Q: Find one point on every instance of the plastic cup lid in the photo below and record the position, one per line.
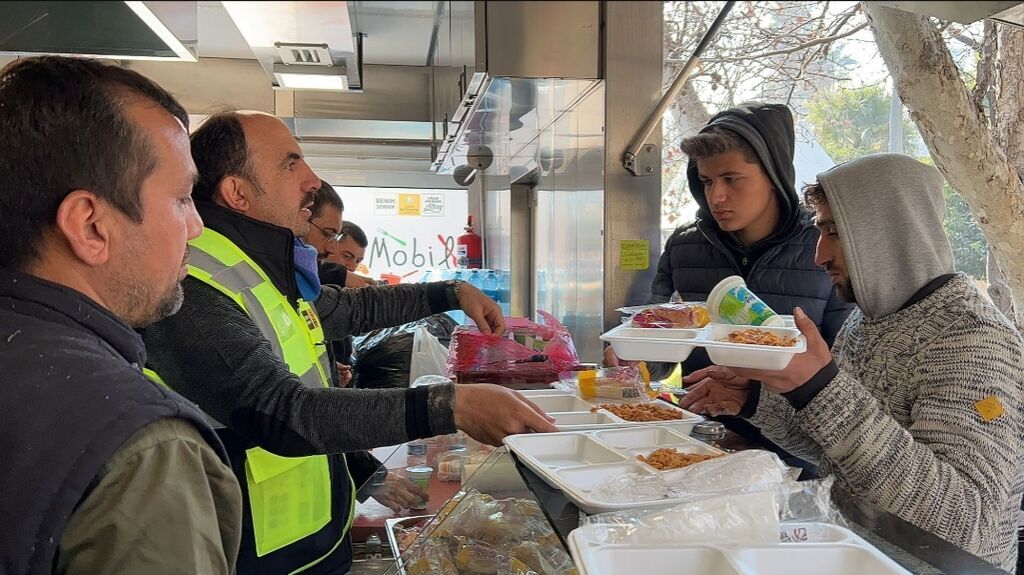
(420, 470)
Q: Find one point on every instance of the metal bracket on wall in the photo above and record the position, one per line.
(634, 158)
(644, 162)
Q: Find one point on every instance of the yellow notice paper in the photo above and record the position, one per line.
(989, 408)
(409, 205)
(633, 254)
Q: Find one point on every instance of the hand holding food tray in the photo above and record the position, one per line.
(728, 345)
(572, 413)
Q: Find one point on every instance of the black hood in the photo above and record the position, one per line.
(768, 128)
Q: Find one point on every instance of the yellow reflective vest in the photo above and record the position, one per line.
(289, 497)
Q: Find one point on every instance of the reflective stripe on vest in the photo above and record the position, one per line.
(290, 497)
(152, 375)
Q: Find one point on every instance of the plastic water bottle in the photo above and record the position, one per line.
(476, 279)
(459, 316)
(425, 278)
(416, 453)
(505, 289)
(492, 287)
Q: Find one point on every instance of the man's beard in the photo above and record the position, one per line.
(845, 291)
(138, 310)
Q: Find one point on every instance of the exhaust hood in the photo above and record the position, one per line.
(302, 45)
(166, 31)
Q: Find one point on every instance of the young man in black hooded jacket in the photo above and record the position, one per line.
(749, 223)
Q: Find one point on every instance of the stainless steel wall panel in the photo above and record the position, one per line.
(543, 39)
(632, 205)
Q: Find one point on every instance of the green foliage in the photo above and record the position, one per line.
(850, 123)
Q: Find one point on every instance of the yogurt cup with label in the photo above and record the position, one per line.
(731, 301)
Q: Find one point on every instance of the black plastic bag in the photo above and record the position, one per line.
(381, 358)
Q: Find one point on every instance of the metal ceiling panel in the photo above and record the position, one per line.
(266, 24)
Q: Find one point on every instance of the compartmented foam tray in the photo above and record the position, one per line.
(654, 344)
(826, 549)
(573, 414)
(579, 462)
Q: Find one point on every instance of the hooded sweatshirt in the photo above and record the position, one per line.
(886, 269)
(922, 410)
(768, 128)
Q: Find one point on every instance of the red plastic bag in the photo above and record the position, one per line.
(527, 354)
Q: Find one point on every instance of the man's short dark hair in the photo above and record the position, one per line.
(350, 230)
(717, 141)
(326, 195)
(63, 127)
(219, 150)
(814, 195)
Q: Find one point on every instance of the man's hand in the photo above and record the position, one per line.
(397, 492)
(354, 280)
(803, 366)
(612, 360)
(719, 391)
(489, 413)
(481, 309)
(344, 374)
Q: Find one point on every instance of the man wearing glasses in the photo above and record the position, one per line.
(325, 235)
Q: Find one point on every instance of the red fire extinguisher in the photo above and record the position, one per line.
(469, 248)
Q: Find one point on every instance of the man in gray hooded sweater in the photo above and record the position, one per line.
(918, 407)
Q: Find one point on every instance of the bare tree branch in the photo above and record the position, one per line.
(793, 49)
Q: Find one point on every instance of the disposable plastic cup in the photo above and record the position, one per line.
(732, 302)
(420, 476)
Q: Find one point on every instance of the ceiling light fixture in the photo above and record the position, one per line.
(150, 19)
(298, 77)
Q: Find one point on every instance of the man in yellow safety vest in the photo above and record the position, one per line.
(249, 346)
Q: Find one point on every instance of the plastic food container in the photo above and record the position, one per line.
(652, 344)
(574, 414)
(675, 345)
(732, 302)
(748, 355)
(838, 552)
(579, 462)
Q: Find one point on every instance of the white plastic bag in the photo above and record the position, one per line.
(428, 355)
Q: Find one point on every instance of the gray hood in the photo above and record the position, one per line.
(889, 209)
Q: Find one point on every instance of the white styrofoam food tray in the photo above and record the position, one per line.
(655, 344)
(572, 413)
(828, 549)
(578, 462)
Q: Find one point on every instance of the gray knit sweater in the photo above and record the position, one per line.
(900, 425)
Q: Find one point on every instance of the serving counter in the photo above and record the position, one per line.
(502, 477)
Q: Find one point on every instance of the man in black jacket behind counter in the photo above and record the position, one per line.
(250, 351)
(749, 223)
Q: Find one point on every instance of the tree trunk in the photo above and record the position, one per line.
(961, 144)
(1003, 49)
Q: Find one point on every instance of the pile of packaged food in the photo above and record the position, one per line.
(477, 534)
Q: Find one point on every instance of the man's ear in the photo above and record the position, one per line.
(86, 223)
(235, 193)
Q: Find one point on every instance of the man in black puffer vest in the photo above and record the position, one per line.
(104, 471)
(749, 223)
